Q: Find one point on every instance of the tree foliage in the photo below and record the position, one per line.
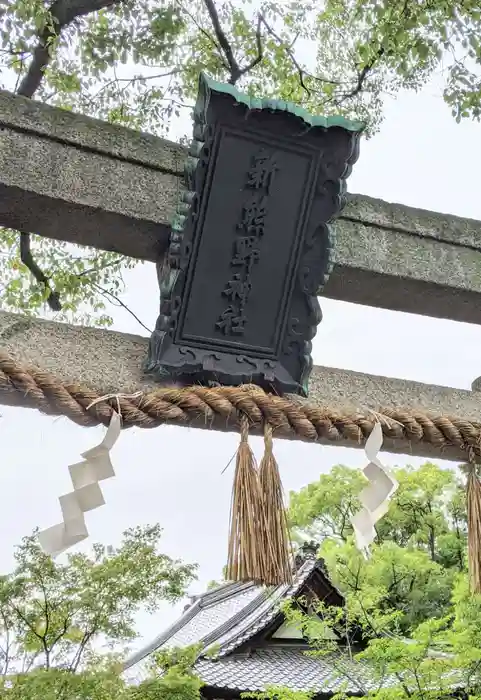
(59, 616)
(440, 658)
(172, 679)
(409, 615)
(136, 63)
(419, 549)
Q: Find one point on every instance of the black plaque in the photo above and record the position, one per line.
(250, 246)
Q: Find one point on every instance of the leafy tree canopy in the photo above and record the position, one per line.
(65, 627)
(409, 614)
(172, 679)
(136, 62)
(61, 615)
(419, 549)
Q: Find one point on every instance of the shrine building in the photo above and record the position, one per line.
(246, 644)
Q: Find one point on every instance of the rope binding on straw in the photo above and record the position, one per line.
(223, 406)
(473, 506)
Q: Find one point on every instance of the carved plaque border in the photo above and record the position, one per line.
(187, 359)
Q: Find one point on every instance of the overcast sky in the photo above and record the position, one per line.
(173, 475)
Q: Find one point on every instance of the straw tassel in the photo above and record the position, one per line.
(473, 502)
(246, 556)
(278, 569)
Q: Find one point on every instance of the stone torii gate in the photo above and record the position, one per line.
(69, 177)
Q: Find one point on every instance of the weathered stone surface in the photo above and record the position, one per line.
(21, 114)
(74, 194)
(426, 224)
(403, 271)
(73, 178)
(113, 363)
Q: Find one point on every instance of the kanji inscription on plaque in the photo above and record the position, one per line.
(250, 246)
(246, 249)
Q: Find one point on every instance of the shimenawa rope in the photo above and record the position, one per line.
(34, 388)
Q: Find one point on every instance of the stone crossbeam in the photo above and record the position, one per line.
(113, 361)
(70, 177)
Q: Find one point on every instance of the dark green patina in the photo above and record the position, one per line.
(208, 85)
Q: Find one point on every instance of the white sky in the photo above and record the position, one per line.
(173, 475)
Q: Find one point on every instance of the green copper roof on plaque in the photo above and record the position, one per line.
(208, 85)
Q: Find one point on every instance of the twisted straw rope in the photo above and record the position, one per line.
(225, 405)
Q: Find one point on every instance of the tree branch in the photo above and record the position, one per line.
(235, 71)
(63, 631)
(45, 611)
(62, 13)
(113, 298)
(98, 269)
(366, 70)
(205, 33)
(362, 76)
(302, 73)
(131, 81)
(260, 53)
(78, 654)
(60, 635)
(224, 47)
(32, 629)
(53, 299)
(6, 651)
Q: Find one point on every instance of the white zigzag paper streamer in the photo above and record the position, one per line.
(376, 496)
(86, 495)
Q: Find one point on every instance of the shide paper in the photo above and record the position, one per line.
(86, 495)
(376, 496)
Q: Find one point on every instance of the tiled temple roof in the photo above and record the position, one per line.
(284, 667)
(226, 616)
(222, 622)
